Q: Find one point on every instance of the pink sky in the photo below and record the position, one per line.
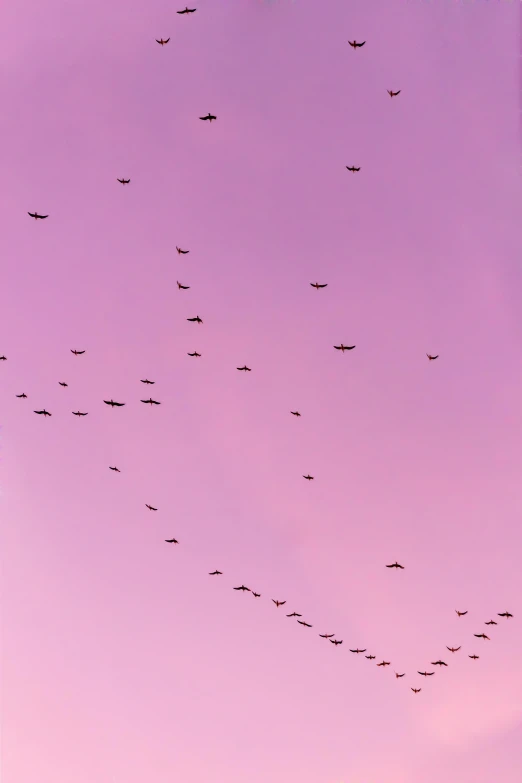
(123, 661)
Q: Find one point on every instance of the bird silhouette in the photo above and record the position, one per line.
(115, 469)
(491, 622)
(182, 252)
(308, 478)
(243, 588)
(353, 168)
(77, 353)
(114, 404)
(162, 42)
(453, 649)
(151, 508)
(124, 181)
(295, 413)
(3, 358)
(215, 573)
(384, 663)
(278, 603)
(399, 675)
(416, 690)
(317, 286)
(78, 413)
(474, 657)
(23, 395)
(336, 641)
(36, 216)
(344, 348)
(244, 368)
(294, 614)
(194, 354)
(151, 402)
(438, 663)
(186, 11)
(356, 45)
(370, 657)
(171, 541)
(326, 635)
(147, 381)
(426, 674)
(358, 651)
(182, 287)
(256, 595)
(481, 636)
(392, 94)
(43, 413)
(302, 622)
(432, 358)
(62, 383)
(197, 319)
(395, 565)
(461, 614)
(209, 117)
(505, 614)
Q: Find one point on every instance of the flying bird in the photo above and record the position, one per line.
(209, 117)
(36, 216)
(278, 603)
(481, 636)
(370, 657)
(505, 614)
(171, 541)
(336, 641)
(62, 383)
(426, 674)
(302, 622)
(474, 657)
(3, 358)
(416, 690)
(491, 622)
(182, 287)
(77, 353)
(395, 565)
(151, 508)
(384, 663)
(353, 168)
(308, 478)
(215, 573)
(294, 614)
(182, 252)
(453, 649)
(116, 469)
(432, 358)
(162, 42)
(392, 94)
(197, 319)
(356, 45)
(147, 381)
(194, 354)
(295, 413)
(78, 413)
(242, 587)
(438, 663)
(317, 286)
(124, 181)
(461, 614)
(43, 413)
(186, 11)
(244, 368)
(344, 348)
(22, 395)
(399, 675)
(113, 404)
(326, 635)
(358, 651)
(151, 402)
(256, 595)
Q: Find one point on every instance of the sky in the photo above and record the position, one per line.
(122, 659)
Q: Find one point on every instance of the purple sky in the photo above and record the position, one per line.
(123, 661)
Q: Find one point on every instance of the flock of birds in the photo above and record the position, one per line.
(341, 347)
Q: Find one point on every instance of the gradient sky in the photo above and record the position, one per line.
(123, 661)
